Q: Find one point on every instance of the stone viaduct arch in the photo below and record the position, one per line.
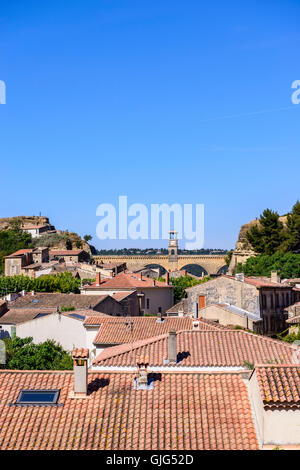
(211, 263)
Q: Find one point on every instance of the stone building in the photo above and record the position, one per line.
(265, 299)
(73, 256)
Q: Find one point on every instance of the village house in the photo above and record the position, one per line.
(74, 256)
(37, 231)
(154, 296)
(264, 300)
(100, 303)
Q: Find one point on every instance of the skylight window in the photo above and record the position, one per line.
(38, 397)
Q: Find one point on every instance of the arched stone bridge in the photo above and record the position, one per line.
(212, 264)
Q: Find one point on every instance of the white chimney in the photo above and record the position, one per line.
(240, 277)
(172, 346)
(80, 357)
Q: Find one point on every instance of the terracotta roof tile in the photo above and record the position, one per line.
(125, 330)
(279, 384)
(181, 412)
(65, 252)
(80, 353)
(222, 348)
(40, 300)
(127, 280)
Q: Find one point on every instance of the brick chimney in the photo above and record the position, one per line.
(172, 346)
(141, 276)
(167, 278)
(80, 357)
(98, 279)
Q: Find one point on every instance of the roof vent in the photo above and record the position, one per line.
(196, 325)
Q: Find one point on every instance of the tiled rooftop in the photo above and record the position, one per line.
(80, 353)
(223, 348)
(183, 411)
(127, 280)
(15, 316)
(279, 385)
(125, 330)
(65, 252)
(54, 299)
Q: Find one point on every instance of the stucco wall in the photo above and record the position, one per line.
(66, 331)
(227, 290)
(212, 312)
(276, 426)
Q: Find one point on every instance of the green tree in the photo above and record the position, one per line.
(183, 282)
(87, 238)
(292, 235)
(268, 236)
(228, 257)
(23, 354)
(61, 282)
(287, 265)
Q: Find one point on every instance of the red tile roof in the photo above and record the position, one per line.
(80, 353)
(183, 411)
(279, 385)
(20, 252)
(65, 252)
(53, 299)
(223, 348)
(127, 280)
(259, 282)
(118, 330)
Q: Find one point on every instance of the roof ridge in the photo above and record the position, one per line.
(126, 347)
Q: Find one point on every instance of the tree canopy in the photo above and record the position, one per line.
(270, 235)
(181, 283)
(23, 354)
(286, 264)
(61, 282)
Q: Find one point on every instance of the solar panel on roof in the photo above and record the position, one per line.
(76, 315)
(35, 301)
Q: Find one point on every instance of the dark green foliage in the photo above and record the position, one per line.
(61, 282)
(181, 283)
(287, 265)
(268, 238)
(292, 236)
(228, 257)
(23, 354)
(87, 238)
(67, 308)
(271, 236)
(13, 240)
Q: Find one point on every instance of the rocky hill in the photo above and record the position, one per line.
(57, 240)
(6, 222)
(243, 249)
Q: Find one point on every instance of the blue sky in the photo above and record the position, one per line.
(162, 101)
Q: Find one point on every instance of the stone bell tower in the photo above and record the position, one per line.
(173, 251)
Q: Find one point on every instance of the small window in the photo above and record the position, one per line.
(148, 304)
(38, 397)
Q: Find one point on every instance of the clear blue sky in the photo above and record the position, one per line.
(153, 100)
